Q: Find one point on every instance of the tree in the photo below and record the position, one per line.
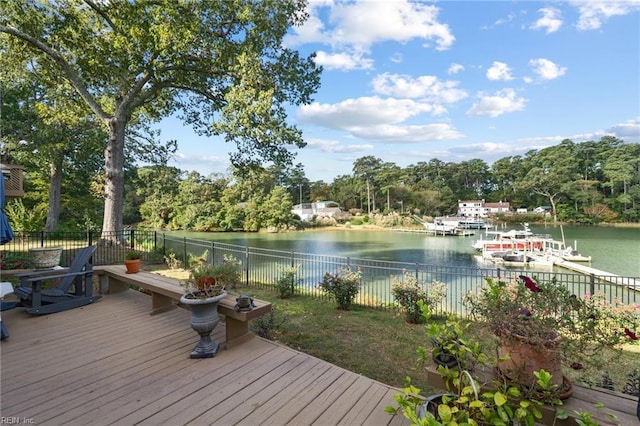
(551, 172)
(365, 169)
(220, 63)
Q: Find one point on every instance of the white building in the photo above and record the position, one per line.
(480, 208)
(307, 211)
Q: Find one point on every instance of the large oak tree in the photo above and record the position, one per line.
(220, 64)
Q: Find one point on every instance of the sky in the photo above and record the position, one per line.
(411, 81)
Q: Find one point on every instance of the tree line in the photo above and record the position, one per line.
(588, 182)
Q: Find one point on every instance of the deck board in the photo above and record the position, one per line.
(111, 363)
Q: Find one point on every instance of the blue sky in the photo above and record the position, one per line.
(410, 81)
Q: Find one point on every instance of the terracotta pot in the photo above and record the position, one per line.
(525, 358)
(133, 266)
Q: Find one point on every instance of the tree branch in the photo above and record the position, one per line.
(64, 65)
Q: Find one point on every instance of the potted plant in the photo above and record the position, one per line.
(543, 326)
(132, 261)
(469, 399)
(205, 288)
(408, 293)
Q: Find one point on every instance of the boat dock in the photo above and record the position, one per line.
(633, 283)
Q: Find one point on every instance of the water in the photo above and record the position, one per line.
(613, 250)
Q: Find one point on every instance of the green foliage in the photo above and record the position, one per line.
(411, 295)
(172, 260)
(132, 255)
(285, 285)
(536, 311)
(223, 275)
(23, 218)
(632, 386)
(15, 260)
(267, 325)
(468, 400)
(356, 221)
(136, 62)
(343, 286)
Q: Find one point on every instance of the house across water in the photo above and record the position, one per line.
(307, 211)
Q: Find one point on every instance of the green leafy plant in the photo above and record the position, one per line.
(537, 311)
(285, 284)
(449, 345)
(266, 325)
(343, 286)
(17, 260)
(632, 386)
(26, 218)
(408, 293)
(208, 280)
(172, 260)
(468, 400)
(132, 255)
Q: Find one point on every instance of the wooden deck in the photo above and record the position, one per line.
(113, 363)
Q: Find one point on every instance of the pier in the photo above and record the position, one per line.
(633, 283)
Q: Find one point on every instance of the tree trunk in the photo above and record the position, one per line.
(114, 184)
(55, 188)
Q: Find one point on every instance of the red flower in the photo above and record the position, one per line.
(530, 284)
(630, 334)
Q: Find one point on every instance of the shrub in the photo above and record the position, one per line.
(172, 260)
(16, 260)
(342, 286)
(286, 283)
(266, 325)
(407, 292)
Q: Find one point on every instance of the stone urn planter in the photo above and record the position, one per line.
(204, 319)
(45, 257)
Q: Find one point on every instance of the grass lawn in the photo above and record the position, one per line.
(380, 344)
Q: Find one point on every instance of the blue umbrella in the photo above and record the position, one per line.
(6, 233)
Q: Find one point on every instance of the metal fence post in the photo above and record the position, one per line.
(246, 259)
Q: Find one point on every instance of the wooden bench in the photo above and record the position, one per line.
(166, 291)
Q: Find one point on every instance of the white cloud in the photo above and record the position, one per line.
(408, 134)
(333, 146)
(501, 102)
(546, 70)
(480, 149)
(455, 68)
(499, 71)
(628, 131)
(594, 13)
(510, 17)
(551, 20)
(427, 87)
(342, 61)
(356, 26)
(365, 111)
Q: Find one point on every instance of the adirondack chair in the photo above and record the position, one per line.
(79, 275)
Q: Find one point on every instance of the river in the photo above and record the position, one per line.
(613, 250)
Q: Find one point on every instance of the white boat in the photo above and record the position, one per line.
(469, 223)
(445, 226)
(441, 227)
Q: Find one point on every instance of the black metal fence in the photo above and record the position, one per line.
(263, 267)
